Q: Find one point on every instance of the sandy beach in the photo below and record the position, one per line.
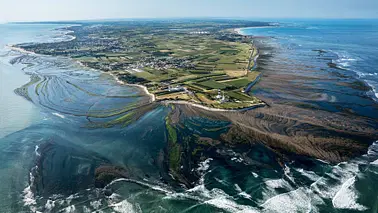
(240, 30)
(19, 49)
(145, 90)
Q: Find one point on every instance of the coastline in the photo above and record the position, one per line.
(308, 159)
(19, 49)
(211, 108)
(144, 88)
(152, 97)
(240, 30)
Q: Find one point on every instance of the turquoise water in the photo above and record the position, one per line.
(49, 148)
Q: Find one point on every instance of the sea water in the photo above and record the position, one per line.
(58, 132)
(352, 45)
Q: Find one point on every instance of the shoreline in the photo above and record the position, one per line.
(240, 30)
(19, 49)
(211, 108)
(145, 89)
(275, 111)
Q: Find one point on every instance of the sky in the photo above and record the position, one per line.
(58, 10)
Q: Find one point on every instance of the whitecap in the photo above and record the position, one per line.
(36, 150)
(287, 173)
(293, 201)
(154, 187)
(255, 175)
(229, 205)
(50, 204)
(242, 193)
(86, 209)
(309, 174)
(346, 197)
(374, 89)
(28, 197)
(59, 115)
(96, 204)
(70, 209)
(219, 199)
(124, 207)
(204, 166)
(277, 183)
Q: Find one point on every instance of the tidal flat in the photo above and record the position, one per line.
(105, 146)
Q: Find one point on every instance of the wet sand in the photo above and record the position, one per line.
(332, 123)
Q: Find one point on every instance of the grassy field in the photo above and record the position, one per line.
(211, 84)
(238, 83)
(195, 65)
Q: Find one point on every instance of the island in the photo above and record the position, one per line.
(207, 64)
(209, 71)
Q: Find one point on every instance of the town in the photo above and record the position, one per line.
(203, 63)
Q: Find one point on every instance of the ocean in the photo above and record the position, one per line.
(49, 152)
(350, 44)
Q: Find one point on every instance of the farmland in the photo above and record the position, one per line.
(203, 63)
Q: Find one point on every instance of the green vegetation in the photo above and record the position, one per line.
(238, 83)
(174, 148)
(211, 84)
(200, 62)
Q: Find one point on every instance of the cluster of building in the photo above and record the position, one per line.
(163, 63)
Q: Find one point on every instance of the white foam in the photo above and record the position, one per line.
(373, 88)
(309, 174)
(123, 207)
(293, 201)
(242, 193)
(96, 204)
(276, 183)
(70, 209)
(255, 175)
(49, 205)
(287, 173)
(36, 150)
(58, 115)
(204, 166)
(236, 159)
(71, 197)
(28, 197)
(229, 205)
(346, 197)
(221, 181)
(154, 187)
(86, 209)
(214, 197)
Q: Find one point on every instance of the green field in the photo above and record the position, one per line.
(163, 59)
(238, 83)
(211, 84)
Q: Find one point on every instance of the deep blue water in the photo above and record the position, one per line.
(352, 45)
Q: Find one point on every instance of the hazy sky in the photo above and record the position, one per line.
(37, 10)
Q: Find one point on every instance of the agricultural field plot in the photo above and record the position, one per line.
(211, 84)
(172, 60)
(238, 83)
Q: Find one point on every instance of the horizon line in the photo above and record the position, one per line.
(194, 17)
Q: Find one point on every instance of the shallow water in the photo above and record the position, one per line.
(311, 44)
(48, 165)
